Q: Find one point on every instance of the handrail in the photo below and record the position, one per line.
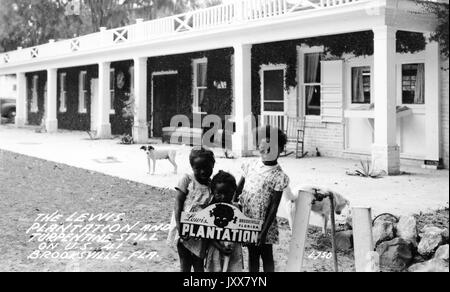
(237, 12)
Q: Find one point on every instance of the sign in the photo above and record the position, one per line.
(222, 222)
(73, 7)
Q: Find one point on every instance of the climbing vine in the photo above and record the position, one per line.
(357, 44)
(440, 35)
(218, 96)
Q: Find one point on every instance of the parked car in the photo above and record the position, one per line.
(8, 109)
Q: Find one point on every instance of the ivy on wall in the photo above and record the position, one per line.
(219, 94)
(72, 119)
(357, 44)
(217, 100)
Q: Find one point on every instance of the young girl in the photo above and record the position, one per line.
(260, 190)
(219, 253)
(194, 194)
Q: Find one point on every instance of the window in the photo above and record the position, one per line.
(112, 89)
(34, 95)
(361, 85)
(82, 92)
(312, 83)
(413, 84)
(273, 91)
(63, 93)
(200, 84)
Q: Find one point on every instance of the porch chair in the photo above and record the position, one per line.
(295, 132)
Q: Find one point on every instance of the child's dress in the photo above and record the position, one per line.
(198, 197)
(214, 261)
(261, 182)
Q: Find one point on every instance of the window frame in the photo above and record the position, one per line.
(401, 83)
(301, 52)
(264, 68)
(195, 88)
(417, 108)
(365, 74)
(112, 90)
(63, 92)
(82, 92)
(34, 105)
(360, 64)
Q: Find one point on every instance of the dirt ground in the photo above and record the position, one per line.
(416, 190)
(30, 186)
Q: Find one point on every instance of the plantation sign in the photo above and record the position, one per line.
(221, 222)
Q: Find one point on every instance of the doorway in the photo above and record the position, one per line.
(273, 96)
(164, 101)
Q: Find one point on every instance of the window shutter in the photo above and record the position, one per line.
(332, 91)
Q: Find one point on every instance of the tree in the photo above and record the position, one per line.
(115, 13)
(25, 23)
(29, 22)
(440, 35)
(106, 13)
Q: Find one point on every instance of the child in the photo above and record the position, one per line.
(220, 253)
(260, 190)
(193, 195)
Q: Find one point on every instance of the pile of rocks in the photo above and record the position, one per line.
(402, 247)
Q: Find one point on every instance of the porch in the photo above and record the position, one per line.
(415, 191)
(240, 26)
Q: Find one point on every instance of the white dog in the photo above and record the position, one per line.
(153, 155)
(320, 207)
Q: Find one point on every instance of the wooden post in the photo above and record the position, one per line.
(21, 100)
(333, 233)
(51, 111)
(300, 231)
(385, 150)
(362, 236)
(140, 126)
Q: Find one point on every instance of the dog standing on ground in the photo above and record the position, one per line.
(322, 207)
(153, 155)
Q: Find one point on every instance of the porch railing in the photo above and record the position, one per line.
(236, 13)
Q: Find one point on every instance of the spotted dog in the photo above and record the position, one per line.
(153, 155)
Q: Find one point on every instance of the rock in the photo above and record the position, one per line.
(442, 253)
(445, 236)
(373, 262)
(433, 265)
(344, 240)
(431, 238)
(383, 230)
(395, 254)
(349, 222)
(407, 229)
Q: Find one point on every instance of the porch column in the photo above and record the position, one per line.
(385, 151)
(21, 100)
(104, 101)
(242, 138)
(140, 128)
(432, 105)
(51, 120)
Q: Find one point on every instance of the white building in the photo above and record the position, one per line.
(389, 105)
(8, 86)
